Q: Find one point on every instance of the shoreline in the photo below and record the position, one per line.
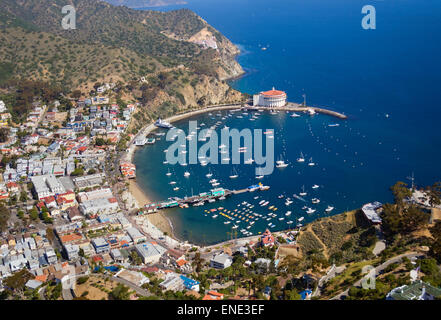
(159, 219)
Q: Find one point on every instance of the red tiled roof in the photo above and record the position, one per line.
(70, 237)
(112, 200)
(11, 184)
(97, 258)
(41, 278)
(215, 293)
(273, 93)
(181, 262)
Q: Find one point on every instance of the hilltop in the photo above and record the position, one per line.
(109, 41)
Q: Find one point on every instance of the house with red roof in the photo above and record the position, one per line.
(213, 295)
(267, 239)
(12, 187)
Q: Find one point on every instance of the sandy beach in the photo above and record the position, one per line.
(137, 192)
(158, 218)
(161, 222)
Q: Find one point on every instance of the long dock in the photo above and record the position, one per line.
(291, 106)
(200, 199)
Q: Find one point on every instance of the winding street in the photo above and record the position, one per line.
(378, 270)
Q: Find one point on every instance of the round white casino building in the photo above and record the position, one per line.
(271, 98)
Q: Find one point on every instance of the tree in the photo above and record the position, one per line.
(434, 194)
(4, 217)
(33, 213)
(17, 281)
(413, 219)
(292, 295)
(400, 192)
(435, 248)
(4, 134)
(121, 292)
(23, 196)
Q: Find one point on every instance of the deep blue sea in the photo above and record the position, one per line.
(387, 80)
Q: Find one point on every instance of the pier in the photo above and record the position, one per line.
(200, 199)
(291, 106)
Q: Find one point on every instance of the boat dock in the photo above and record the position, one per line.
(291, 106)
(200, 199)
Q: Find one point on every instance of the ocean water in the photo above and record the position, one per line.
(388, 81)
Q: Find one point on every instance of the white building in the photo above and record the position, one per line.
(99, 206)
(95, 194)
(272, 98)
(2, 106)
(150, 252)
(47, 185)
(372, 212)
(221, 261)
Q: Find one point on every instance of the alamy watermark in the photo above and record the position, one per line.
(69, 21)
(369, 21)
(211, 150)
(368, 281)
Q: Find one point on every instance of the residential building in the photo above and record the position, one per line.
(100, 245)
(418, 290)
(136, 235)
(150, 252)
(221, 261)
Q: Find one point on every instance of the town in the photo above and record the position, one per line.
(71, 230)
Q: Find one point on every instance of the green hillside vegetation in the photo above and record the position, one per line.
(101, 28)
(340, 239)
(43, 56)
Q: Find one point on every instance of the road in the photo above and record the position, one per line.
(329, 275)
(67, 286)
(378, 269)
(140, 291)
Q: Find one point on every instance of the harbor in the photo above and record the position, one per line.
(181, 180)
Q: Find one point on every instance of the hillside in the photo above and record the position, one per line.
(44, 56)
(140, 33)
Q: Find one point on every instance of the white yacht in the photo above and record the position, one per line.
(301, 158)
(281, 164)
(186, 174)
(310, 210)
(311, 163)
(303, 193)
(234, 174)
(329, 209)
(315, 186)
